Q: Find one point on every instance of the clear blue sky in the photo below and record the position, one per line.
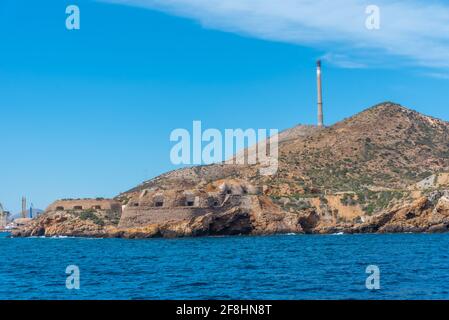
(88, 113)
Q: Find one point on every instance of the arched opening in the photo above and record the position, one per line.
(158, 200)
(159, 204)
(59, 208)
(78, 208)
(189, 200)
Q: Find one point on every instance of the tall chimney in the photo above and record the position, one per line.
(24, 207)
(320, 94)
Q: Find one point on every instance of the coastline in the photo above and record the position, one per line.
(429, 214)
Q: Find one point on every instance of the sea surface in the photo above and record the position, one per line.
(411, 266)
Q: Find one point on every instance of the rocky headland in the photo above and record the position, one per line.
(383, 170)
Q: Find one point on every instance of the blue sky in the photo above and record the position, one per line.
(89, 112)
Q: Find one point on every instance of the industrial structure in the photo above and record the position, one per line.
(4, 215)
(24, 207)
(320, 94)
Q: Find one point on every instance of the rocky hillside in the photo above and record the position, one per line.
(385, 169)
(385, 146)
(376, 155)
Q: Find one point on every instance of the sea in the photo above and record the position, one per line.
(372, 266)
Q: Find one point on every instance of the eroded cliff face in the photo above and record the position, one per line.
(60, 224)
(426, 214)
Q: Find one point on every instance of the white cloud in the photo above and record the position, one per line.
(415, 31)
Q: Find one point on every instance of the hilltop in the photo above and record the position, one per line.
(385, 146)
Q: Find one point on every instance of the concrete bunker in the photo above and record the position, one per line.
(99, 204)
(190, 200)
(158, 200)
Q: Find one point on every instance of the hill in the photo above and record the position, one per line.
(385, 146)
(385, 169)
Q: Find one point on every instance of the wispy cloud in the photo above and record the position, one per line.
(417, 32)
(438, 75)
(343, 61)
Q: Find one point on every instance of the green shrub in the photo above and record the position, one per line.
(89, 215)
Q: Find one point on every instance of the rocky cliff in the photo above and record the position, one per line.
(382, 170)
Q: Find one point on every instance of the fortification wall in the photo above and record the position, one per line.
(137, 217)
(85, 204)
(144, 215)
(158, 206)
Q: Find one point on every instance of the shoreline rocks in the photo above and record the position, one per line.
(428, 214)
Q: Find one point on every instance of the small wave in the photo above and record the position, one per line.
(338, 234)
(52, 237)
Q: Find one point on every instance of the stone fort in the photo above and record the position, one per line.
(159, 206)
(99, 204)
(156, 205)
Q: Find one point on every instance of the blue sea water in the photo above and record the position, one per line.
(412, 266)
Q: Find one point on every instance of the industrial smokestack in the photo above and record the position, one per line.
(24, 207)
(320, 95)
